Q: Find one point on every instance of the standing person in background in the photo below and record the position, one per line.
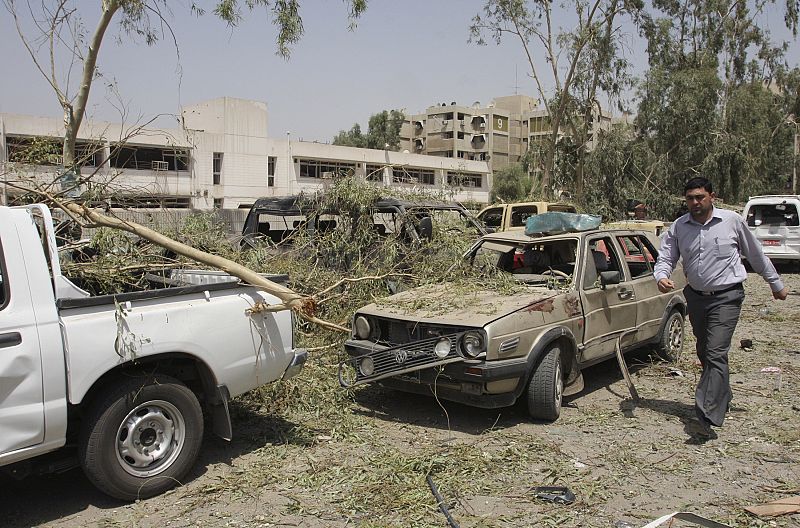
(711, 242)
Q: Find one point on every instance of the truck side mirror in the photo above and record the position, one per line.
(609, 277)
(426, 228)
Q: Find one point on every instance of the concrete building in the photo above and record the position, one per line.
(500, 132)
(222, 157)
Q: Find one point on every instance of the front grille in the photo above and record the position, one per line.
(399, 359)
(392, 332)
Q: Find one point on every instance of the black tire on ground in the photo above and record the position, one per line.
(670, 343)
(546, 388)
(141, 436)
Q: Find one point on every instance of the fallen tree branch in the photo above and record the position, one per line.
(303, 306)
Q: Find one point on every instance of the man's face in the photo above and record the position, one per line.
(700, 202)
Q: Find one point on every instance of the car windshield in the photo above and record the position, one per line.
(530, 262)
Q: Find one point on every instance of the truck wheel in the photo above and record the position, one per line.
(670, 342)
(546, 388)
(140, 437)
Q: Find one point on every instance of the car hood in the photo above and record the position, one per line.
(440, 304)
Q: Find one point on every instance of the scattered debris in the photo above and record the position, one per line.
(556, 494)
(675, 373)
(775, 373)
(623, 524)
(624, 368)
(777, 507)
(579, 464)
(746, 344)
(440, 503)
(686, 516)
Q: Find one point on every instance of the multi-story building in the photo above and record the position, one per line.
(492, 133)
(221, 157)
(500, 132)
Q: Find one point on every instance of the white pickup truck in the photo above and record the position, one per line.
(122, 379)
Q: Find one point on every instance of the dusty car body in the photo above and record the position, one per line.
(580, 295)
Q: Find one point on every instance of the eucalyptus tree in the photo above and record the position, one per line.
(713, 100)
(580, 62)
(58, 32)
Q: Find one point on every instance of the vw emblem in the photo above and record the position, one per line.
(401, 356)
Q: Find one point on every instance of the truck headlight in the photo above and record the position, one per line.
(472, 344)
(362, 327)
(442, 348)
(366, 366)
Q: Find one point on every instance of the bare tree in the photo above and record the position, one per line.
(588, 53)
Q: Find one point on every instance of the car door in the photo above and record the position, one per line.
(640, 257)
(21, 390)
(609, 311)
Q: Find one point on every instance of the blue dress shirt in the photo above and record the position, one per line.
(712, 252)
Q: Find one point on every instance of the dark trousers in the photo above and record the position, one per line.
(714, 319)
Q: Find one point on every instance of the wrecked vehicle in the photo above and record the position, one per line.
(276, 218)
(123, 381)
(512, 216)
(577, 297)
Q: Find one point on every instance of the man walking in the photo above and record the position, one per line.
(711, 240)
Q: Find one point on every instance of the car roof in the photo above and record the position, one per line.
(518, 237)
(293, 205)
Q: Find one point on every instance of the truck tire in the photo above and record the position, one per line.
(546, 387)
(670, 343)
(141, 436)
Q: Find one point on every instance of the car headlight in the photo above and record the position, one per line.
(442, 348)
(472, 344)
(366, 366)
(362, 327)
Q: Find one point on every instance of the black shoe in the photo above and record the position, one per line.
(702, 430)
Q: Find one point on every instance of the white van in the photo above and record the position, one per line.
(774, 220)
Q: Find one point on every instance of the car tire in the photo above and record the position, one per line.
(141, 436)
(546, 387)
(670, 343)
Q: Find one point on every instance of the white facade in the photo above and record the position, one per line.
(222, 157)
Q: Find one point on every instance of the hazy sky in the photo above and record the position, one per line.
(408, 55)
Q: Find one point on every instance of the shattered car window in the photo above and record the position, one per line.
(536, 262)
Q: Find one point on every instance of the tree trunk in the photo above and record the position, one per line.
(303, 306)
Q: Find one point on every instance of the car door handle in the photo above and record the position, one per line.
(10, 339)
(625, 293)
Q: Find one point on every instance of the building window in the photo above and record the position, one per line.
(374, 173)
(217, 168)
(124, 156)
(218, 203)
(310, 168)
(271, 161)
(414, 176)
(459, 179)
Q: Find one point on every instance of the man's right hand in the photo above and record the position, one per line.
(665, 285)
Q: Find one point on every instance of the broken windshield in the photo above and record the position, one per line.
(549, 262)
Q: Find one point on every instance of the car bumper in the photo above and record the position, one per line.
(296, 365)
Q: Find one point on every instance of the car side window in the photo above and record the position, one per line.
(600, 256)
(637, 256)
(492, 217)
(521, 213)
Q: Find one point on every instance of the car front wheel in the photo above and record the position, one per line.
(670, 342)
(546, 388)
(141, 437)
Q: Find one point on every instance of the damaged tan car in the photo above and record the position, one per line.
(577, 296)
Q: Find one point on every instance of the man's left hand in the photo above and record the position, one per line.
(782, 294)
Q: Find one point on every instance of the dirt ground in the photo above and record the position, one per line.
(364, 462)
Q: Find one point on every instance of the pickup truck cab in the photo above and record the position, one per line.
(775, 222)
(512, 217)
(578, 297)
(121, 380)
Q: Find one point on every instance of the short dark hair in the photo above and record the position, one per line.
(696, 183)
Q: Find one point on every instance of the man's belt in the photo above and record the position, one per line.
(715, 292)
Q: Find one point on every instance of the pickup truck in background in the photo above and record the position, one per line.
(512, 217)
(122, 379)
